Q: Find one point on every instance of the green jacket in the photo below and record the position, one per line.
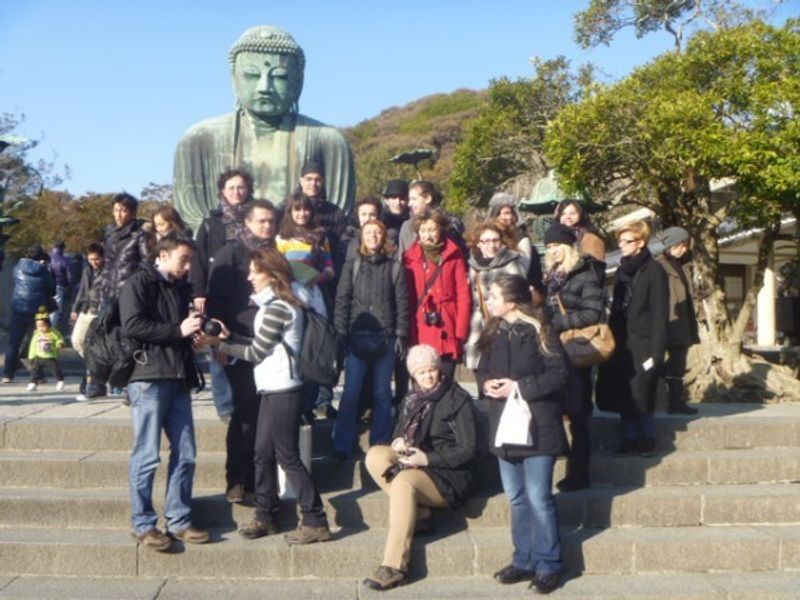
(45, 345)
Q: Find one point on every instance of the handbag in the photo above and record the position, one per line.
(587, 346)
(515, 422)
(369, 344)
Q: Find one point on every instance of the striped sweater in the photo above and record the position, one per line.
(321, 260)
(276, 322)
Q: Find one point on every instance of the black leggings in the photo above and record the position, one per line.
(241, 437)
(277, 443)
(38, 365)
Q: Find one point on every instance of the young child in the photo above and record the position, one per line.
(45, 344)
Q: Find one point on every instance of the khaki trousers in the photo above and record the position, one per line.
(408, 489)
(80, 329)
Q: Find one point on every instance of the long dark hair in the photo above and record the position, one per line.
(515, 288)
(289, 228)
(584, 224)
(274, 264)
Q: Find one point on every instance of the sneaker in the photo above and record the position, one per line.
(385, 578)
(647, 446)
(82, 398)
(8, 379)
(627, 448)
(256, 529)
(31, 387)
(511, 574)
(60, 386)
(545, 584)
(191, 535)
(154, 539)
(306, 534)
(235, 493)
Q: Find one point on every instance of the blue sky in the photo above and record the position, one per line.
(110, 87)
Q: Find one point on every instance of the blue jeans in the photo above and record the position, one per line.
(20, 323)
(534, 519)
(355, 368)
(161, 404)
(221, 391)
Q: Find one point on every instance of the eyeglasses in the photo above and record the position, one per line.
(493, 241)
(626, 242)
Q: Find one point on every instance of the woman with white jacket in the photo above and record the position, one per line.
(278, 326)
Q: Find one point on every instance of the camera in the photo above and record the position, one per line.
(433, 319)
(211, 327)
(391, 472)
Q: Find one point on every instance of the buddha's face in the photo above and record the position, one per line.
(267, 84)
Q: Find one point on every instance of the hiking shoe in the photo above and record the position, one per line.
(59, 386)
(191, 535)
(306, 534)
(235, 493)
(647, 446)
(31, 387)
(256, 529)
(511, 574)
(154, 539)
(385, 578)
(545, 584)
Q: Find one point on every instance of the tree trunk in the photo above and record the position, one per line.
(720, 371)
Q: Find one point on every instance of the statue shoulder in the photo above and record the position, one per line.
(321, 130)
(218, 125)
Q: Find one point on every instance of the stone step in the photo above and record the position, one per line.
(705, 586)
(104, 425)
(352, 554)
(679, 506)
(74, 469)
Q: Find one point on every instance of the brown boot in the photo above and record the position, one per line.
(306, 534)
(154, 539)
(385, 578)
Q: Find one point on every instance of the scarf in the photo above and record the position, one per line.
(433, 253)
(312, 237)
(628, 265)
(233, 219)
(415, 408)
(253, 242)
(554, 280)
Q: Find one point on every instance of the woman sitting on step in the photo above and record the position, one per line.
(428, 463)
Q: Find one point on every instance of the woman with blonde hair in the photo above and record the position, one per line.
(575, 300)
(628, 382)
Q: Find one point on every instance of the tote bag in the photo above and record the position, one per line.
(515, 422)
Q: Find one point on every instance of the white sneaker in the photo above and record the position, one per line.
(7, 380)
(59, 386)
(81, 398)
(32, 387)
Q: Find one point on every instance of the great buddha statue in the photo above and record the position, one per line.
(266, 135)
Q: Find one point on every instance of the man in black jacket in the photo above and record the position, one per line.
(228, 295)
(125, 245)
(154, 312)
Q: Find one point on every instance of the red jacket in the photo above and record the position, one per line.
(449, 296)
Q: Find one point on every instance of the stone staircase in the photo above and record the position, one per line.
(716, 514)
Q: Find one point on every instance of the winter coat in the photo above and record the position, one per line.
(408, 236)
(515, 352)
(682, 326)
(481, 277)
(151, 312)
(449, 441)
(449, 296)
(211, 236)
(34, 286)
(126, 249)
(90, 291)
(376, 301)
(582, 298)
(228, 291)
(59, 265)
(640, 334)
(394, 223)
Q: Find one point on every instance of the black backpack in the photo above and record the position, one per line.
(109, 354)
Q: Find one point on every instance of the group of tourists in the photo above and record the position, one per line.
(410, 295)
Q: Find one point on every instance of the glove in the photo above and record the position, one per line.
(400, 347)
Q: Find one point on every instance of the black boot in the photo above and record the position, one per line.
(677, 405)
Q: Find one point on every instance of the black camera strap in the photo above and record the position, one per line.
(430, 282)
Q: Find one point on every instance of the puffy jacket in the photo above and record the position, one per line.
(34, 286)
(151, 311)
(515, 353)
(90, 291)
(449, 440)
(378, 300)
(126, 249)
(581, 296)
(449, 296)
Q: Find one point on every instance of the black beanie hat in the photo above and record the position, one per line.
(559, 234)
(396, 188)
(312, 166)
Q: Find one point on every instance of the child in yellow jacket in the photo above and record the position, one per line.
(43, 351)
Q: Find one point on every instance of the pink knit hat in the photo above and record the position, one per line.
(421, 357)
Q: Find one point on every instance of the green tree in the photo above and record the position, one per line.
(725, 108)
(506, 138)
(603, 19)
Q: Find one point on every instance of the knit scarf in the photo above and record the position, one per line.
(233, 219)
(415, 408)
(433, 252)
(252, 241)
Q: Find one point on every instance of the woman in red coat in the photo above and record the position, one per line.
(440, 299)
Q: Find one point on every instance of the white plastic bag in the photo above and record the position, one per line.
(515, 422)
(285, 489)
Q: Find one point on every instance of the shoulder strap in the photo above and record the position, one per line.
(356, 267)
(430, 282)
